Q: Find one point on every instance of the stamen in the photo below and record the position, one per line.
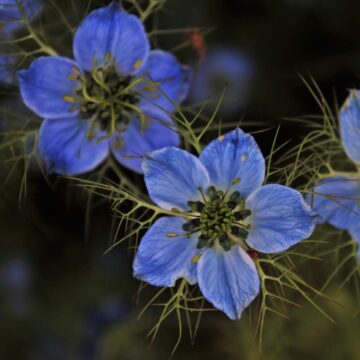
(73, 108)
(137, 64)
(202, 194)
(72, 77)
(196, 206)
(203, 241)
(196, 258)
(69, 99)
(239, 232)
(235, 197)
(191, 225)
(212, 193)
(225, 242)
(242, 214)
(171, 235)
(76, 71)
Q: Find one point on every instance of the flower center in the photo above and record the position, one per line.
(107, 96)
(107, 99)
(219, 218)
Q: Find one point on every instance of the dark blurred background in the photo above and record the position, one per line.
(62, 298)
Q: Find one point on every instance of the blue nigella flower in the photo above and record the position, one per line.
(116, 95)
(11, 14)
(223, 68)
(337, 198)
(223, 211)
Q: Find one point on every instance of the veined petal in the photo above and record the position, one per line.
(130, 147)
(111, 31)
(350, 125)
(163, 258)
(234, 155)
(66, 149)
(166, 81)
(173, 177)
(46, 85)
(336, 201)
(280, 218)
(228, 279)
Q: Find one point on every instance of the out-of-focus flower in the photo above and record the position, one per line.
(112, 98)
(15, 284)
(7, 68)
(109, 313)
(337, 198)
(223, 69)
(224, 213)
(13, 11)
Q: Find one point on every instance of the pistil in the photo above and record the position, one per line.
(219, 218)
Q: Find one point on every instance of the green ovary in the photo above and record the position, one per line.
(219, 219)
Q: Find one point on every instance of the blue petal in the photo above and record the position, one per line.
(231, 156)
(130, 147)
(173, 177)
(66, 149)
(228, 280)
(45, 84)
(161, 259)
(280, 218)
(350, 126)
(172, 81)
(336, 201)
(109, 30)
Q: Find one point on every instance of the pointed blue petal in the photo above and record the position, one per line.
(336, 201)
(130, 147)
(234, 155)
(110, 30)
(228, 279)
(161, 259)
(65, 148)
(280, 218)
(45, 84)
(171, 81)
(350, 125)
(173, 177)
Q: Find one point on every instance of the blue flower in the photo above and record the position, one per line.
(11, 14)
(223, 68)
(337, 198)
(116, 96)
(223, 212)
